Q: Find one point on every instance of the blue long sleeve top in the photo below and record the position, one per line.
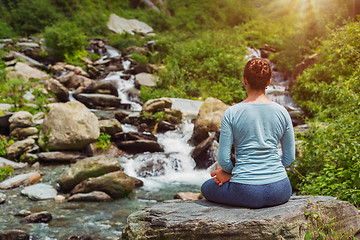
(256, 130)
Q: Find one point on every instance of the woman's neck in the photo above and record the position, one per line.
(256, 96)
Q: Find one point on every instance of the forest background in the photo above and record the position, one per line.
(202, 43)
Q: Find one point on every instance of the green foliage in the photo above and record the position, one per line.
(322, 226)
(32, 16)
(6, 30)
(104, 142)
(5, 171)
(65, 40)
(122, 41)
(140, 59)
(12, 91)
(4, 143)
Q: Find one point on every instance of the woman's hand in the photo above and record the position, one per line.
(221, 177)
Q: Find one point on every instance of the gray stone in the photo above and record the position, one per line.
(21, 133)
(20, 119)
(26, 72)
(201, 154)
(29, 61)
(27, 44)
(116, 184)
(39, 191)
(186, 106)
(145, 79)
(205, 220)
(188, 196)
(16, 149)
(60, 91)
(68, 126)
(110, 126)
(98, 100)
(139, 146)
(95, 196)
(132, 26)
(157, 104)
(14, 165)
(57, 156)
(22, 179)
(86, 168)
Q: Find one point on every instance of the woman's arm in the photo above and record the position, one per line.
(225, 143)
(288, 144)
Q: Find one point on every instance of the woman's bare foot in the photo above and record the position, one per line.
(221, 177)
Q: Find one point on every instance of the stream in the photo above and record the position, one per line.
(107, 219)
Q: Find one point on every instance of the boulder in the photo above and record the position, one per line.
(102, 87)
(116, 184)
(132, 26)
(39, 191)
(39, 217)
(14, 235)
(24, 71)
(205, 220)
(28, 61)
(16, 149)
(60, 91)
(95, 196)
(58, 157)
(188, 196)
(76, 81)
(4, 120)
(139, 146)
(210, 114)
(96, 100)
(110, 126)
(69, 126)
(14, 165)
(87, 168)
(165, 126)
(301, 67)
(157, 104)
(145, 79)
(22, 179)
(133, 136)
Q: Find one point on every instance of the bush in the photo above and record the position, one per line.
(6, 30)
(64, 38)
(32, 16)
(5, 171)
(104, 142)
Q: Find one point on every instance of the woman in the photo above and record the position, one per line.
(255, 126)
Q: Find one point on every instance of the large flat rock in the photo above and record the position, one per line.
(205, 220)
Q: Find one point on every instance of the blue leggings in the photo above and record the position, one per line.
(247, 195)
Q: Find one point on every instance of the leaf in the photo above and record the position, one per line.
(308, 236)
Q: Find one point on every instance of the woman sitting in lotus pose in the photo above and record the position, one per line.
(255, 126)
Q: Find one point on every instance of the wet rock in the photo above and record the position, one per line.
(39, 191)
(39, 217)
(132, 26)
(133, 136)
(20, 180)
(156, 105)
(121, 115)
(28, 61)
(14, 235)
(151, 168)
(86, 168)
(145, 79)
(69, 126)
(14, 165)
(200, 134)
(116, 184)
(139, 146)
(188, 196)
(165, 126)
(111, 126)
(23, 71)
(20, 119)
(2, 198)
(16, 149)
(60, 91)
(113, 150)
(95, 196)
(4, 121)
(102, 87)
(266, 51)
(58, 157)
(98, 100)
(76, 81)
(21, 133)
(202, 155)
(190, 219)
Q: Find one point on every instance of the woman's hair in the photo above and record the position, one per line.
(257, 72)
